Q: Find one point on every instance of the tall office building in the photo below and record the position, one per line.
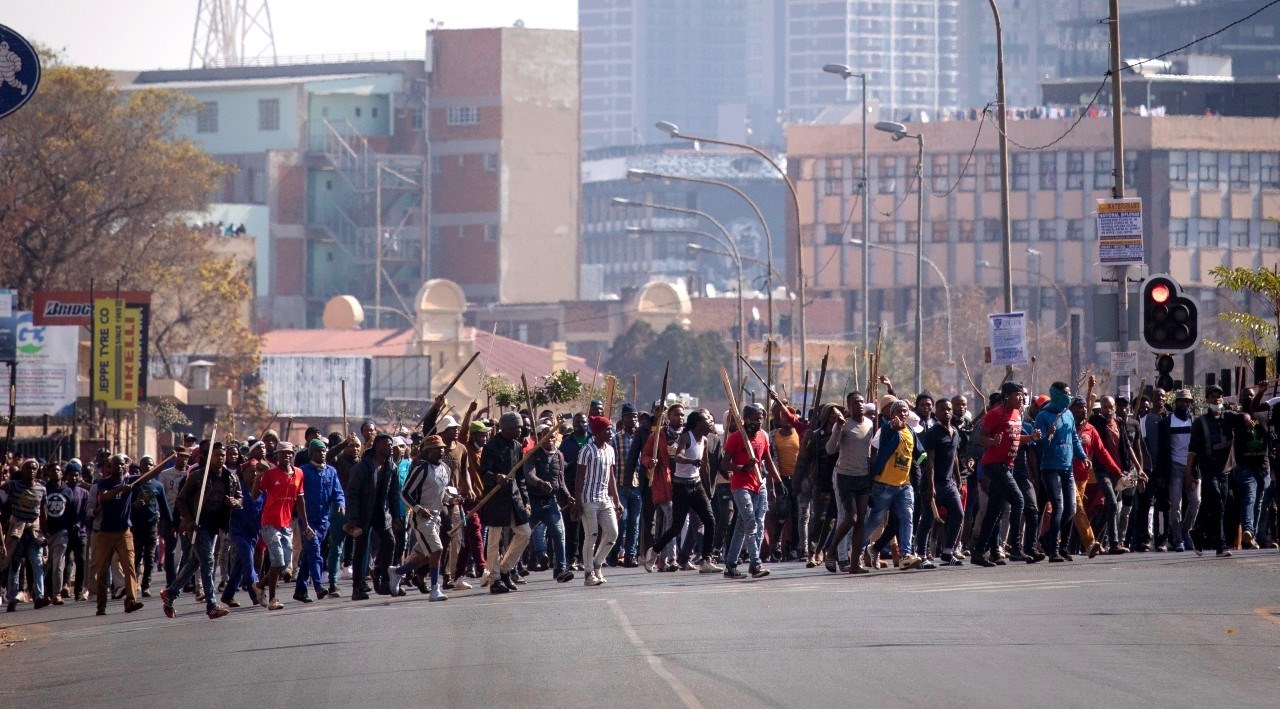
(909, 50)
(709, 67)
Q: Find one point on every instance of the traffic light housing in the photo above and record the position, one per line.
(1169, 318)
(1164, 372)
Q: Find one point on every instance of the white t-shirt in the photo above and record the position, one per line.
(1180, 436)
(687, 471)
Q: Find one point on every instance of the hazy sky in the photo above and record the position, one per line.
(148, 34)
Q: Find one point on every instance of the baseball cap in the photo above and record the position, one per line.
(1078, 400)
(1009, 388)
(479, 427)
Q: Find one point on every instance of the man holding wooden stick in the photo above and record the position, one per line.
(505, 508)
(204, 516)
(746, 459)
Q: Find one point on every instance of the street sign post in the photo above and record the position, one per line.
(1120, 232)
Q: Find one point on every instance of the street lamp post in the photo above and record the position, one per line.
(637, 176)
(673, 131)
(844, 72)
(623, 203)
(899, 131)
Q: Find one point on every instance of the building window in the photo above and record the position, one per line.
(1102, 177)
(269, 114)
(1075, 170)
(1021, 230)
(1270, 172)
(1239, 232)
(1238, 169)
(463, 116)
(1049, 171)
(1208, 168)
(437, 166)
(490, 162)
(888, 176)
(1270, 232)
(491, 233)
(833, 182)
(357, 111)
(965, 231)
(1208, 231)
(834, 232)
(1130, 169)
(1048, 230)
(1177, 232)
(991, 172)
(1021, 169)
(909, 232)
(1178, 168)
(992, 230)
(939, 232)
(207, 118)
(1075, 230)
(969, 176)
(940, 170)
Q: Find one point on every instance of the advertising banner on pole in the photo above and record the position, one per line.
(47, 362)
(1120, 232)
(117, 343)
(1008, 334)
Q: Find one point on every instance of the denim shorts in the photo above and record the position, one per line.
(279, 541)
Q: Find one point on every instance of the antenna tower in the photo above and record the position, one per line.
(229, 33)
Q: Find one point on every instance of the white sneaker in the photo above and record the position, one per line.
(650, 558)
(396, 580)
(909, 561)
(346, 573)
(462, 585)
(487, 580)
(591, 579)
(600, 579)
(437, 594)
(709, 568)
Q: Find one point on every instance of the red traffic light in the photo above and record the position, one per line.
(1160, 293)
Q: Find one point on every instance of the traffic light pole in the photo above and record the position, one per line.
(1117, 162)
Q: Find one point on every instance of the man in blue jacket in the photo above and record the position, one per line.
(321, 491)
(1059, 445)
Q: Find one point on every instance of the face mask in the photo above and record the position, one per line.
(1215, 408)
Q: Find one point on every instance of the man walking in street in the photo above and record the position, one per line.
(112, 538)
(505, 509)
(150, 510)
(851, 440)
(322, 494)
(424, 496)
(1208, 451)
(372, 512)
(544, 475)
(747, 460)
(205, 520)
(1056, 427)
(598, 498)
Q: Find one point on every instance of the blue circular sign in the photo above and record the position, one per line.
(19, 71)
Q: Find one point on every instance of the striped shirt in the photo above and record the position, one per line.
(595, 465)
(426, 484)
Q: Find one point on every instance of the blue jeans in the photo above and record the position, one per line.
(751, 508)
(309, 564)
(546, 511)
(632, 514)
(337, 540)
(1060, 488)
(902, 501)
(34, 554)
(1270, 496)
(1245, 480)
(242, 569)
(199, 558)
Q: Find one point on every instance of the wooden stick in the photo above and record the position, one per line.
(208, 458)
(610, 391)
(854, 386)
(662, 412)
(635, 390)
(822, 379)
(266, 428)
(805, 396)
(346, 426)
(976, 391)
(288, 428)
(768, 389)
(735, 417)
(448, 387)
(528, 399)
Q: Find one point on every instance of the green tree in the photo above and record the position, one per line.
(1250, 335)
(695, 360)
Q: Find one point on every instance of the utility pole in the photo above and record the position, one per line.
(1006, 238)
(1117, 190)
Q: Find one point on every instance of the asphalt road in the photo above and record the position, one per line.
(1168, 630)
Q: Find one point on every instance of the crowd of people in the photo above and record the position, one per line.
(855, 487)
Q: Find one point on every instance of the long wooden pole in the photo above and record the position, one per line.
(346, 426)
(523, 459)
(610, 391)
(822, 379)
(448, 387)
(735, 417)
(208, 458)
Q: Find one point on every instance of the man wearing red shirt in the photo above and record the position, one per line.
(1001, 433)
(283, 488)
(747, 483)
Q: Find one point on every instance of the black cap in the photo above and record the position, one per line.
(1011, 388)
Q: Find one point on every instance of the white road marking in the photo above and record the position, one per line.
(655, 662)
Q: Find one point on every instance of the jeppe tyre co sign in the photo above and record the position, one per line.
(19, 71)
